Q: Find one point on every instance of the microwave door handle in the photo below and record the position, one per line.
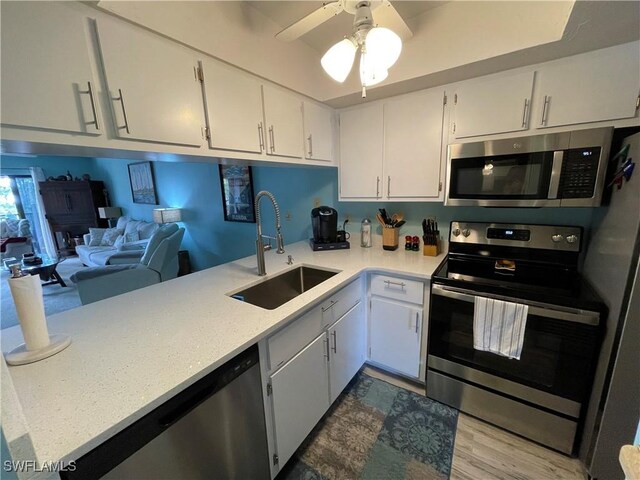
(540, 310)
(556, 171)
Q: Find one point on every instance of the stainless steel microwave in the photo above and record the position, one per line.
(565, 169)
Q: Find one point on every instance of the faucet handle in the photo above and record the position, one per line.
(289, 260)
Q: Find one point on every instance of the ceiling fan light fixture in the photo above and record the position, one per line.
(384, 46)
(338, 60)
(371, 72)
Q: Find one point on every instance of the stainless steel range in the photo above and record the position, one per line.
(543, 394)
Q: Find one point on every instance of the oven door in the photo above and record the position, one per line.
(558, 354)
(514, 179)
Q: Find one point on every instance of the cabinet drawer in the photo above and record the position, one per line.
(397, 288)
(340, 303)
(291, 339)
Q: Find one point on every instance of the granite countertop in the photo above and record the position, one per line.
(133, 352)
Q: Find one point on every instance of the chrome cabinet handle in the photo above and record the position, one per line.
(260, 137)
(120, 99)
(388, 186)
(326, 345)
(271, 136)
(524, 112)
(417, 319)
(399, 284)
(310, 145)
(335, 342)
(333, 302)
(89, 92)
(543, 120)
(377, 187)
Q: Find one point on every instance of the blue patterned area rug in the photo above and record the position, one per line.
(377, 431)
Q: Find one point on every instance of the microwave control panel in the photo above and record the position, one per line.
(579, 173)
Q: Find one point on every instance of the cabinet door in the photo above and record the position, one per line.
(318, 132)
(300, 396)
(361, 150)
(234, 108)
(495, 105)
(596, 86)
(155, 93)
(413, 145)
(283, 117)
(395, 333)
(347, 340)
(45, 83)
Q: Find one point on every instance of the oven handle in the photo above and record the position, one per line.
(540, 309)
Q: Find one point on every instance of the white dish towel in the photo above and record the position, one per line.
(498, 327)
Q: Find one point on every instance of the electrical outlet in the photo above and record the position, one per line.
(288, 217)
(316, 202)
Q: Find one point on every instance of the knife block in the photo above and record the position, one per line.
(390, 238)
(431, 250)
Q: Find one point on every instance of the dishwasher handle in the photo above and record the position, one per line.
(189, 404)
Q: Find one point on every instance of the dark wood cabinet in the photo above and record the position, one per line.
(71, 209)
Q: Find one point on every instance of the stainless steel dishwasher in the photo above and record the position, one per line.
(215, 429)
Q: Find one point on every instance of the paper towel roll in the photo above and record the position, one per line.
(27, 297)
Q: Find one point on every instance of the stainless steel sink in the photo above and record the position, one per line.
(280, 289)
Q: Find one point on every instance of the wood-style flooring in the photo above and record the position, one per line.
(485, 452)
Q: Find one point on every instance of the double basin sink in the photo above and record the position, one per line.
(278, 290)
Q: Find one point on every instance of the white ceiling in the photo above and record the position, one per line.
(452, 41)
(323, 37)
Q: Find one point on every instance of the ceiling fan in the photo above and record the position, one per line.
(379, 47)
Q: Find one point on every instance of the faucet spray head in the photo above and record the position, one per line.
(280, 242)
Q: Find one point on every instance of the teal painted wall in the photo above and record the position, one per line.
(52, 166)
(195, 187)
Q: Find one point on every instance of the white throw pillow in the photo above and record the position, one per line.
(96, 236)
(131, 237)
(109, 237)
(119, 242)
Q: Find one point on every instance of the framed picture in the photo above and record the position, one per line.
(143, 189)
(237, 193)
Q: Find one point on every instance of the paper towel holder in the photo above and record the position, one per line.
(21, 356)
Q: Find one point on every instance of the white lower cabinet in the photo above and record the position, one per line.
(347, 343)
(303, 388)
(300, 396)
(395, 324)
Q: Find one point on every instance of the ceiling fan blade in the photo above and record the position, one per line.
(311, 21)
(385, 15)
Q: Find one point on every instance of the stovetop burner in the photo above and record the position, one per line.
(536, 266)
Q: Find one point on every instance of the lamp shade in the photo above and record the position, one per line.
(109, 212)
(338, 60)
(167, 215)
(383, 46)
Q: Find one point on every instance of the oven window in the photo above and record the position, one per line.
(502, 177)
(557, 356)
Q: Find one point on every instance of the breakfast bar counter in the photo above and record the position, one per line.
(131, 353)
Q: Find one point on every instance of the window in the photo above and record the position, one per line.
(18, 200)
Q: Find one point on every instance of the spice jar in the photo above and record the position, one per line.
(407, 242)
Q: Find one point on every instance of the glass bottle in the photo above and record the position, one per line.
(365, 233)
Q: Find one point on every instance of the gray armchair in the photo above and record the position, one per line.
(158, 264)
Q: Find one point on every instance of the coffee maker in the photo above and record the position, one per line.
(324, 221)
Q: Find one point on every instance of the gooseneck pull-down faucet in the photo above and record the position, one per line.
(260, 246)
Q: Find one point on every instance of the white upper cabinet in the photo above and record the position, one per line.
(495, 105)
(46, 73)
(361, 152)
(283, 122)
(318, 132)
(234, 108)
(154, 89)
(413, 144)
(592, 87)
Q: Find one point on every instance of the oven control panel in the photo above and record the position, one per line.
(546, 237)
